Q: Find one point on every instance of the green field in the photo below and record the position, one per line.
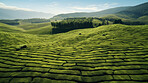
(106, 54)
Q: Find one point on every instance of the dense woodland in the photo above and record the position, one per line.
(76, 23)
(81, 23)
(71, 24)
(10, 22)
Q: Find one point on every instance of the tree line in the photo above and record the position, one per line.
(10, 22)
(81, 23)
(71, 24)
(75, 23)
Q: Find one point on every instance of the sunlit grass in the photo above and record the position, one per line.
(106, 53)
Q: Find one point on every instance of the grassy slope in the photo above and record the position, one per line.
(143, 19)
(33, 26)
(39, 28)
(108, 53)
(105, 35)
(135, 13)
(9, 28)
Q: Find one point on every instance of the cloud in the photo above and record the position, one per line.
(94, 7)
(53, 4)
(57, 8)
(85, 8)
(2, 5)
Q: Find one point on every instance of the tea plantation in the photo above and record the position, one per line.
(106, 54)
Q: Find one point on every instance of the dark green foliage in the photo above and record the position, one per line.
(81, 23)
(21, 47)
(136, 11)
(119, 21)
(78, 23)
(71, 24)
(133, 23)
(10, 22)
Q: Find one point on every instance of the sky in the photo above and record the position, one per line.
(66, 6)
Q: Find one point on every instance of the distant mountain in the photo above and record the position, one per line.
(92, 14)
(135, 11)
(21, 14)
(130, 12)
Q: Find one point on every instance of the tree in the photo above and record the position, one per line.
(119, 21)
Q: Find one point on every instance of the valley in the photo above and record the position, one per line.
(110, 46)
(110, 53)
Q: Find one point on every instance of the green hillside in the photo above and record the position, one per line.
(33, 20)
(136, 11)
(33, 26)
(130, 14)
(38, 28)
(9, 28)
(143, 19)
(46, 29)
(92, 14)
(106, 54)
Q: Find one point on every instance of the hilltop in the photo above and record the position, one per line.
(22, 14)
(130, 13)
(135, 11)
(92, 14)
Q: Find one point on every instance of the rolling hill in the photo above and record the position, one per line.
(21, 14)
(116, 53)
(111, 53)
(135, 11)
(125, 13)
(39, 28)
(9, 28)
(93, 14)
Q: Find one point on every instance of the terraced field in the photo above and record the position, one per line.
(107, 54)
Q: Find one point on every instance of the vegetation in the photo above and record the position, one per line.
(9, 28)
(77, 23)
(87, 15)
(143, 19)
(137, 13)
(81, 23)
(33, 20)
(46, 29)
(75, 50)
(24, 21)
(10, 22)
(33, 26)
(71, 24)
(110, 53)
